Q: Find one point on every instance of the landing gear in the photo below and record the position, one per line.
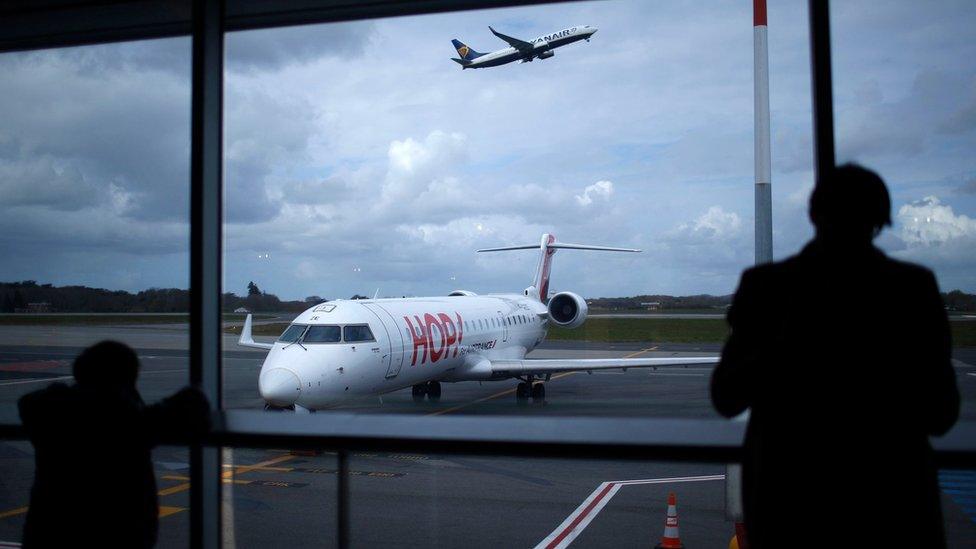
(529, 388)
(434, 390)
(430, 389)
(268, 407)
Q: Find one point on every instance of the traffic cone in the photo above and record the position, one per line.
(739, 540)
(671, 539)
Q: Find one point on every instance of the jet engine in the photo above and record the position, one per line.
(567, 310)
(457, 293)
(546, 54)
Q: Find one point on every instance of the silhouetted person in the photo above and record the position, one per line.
(93, 482)
(843, 357)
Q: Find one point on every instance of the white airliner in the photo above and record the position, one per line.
(339, 350)
(520, 50)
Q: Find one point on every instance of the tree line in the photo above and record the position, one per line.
(29, 296)
(19, 297)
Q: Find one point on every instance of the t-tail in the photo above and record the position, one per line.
(547, 248)
(466, 54)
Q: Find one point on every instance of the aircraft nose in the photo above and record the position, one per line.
(593, 30)
(280, 386)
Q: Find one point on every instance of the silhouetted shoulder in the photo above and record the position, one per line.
(910, 271)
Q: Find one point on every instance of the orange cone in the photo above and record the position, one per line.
(739, 540)
(671, 538)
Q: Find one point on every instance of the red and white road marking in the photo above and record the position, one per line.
(565, 533)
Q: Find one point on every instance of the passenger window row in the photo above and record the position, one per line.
(484, 324)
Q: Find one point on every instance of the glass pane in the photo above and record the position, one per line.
(94, 234)
(323, 334)
(451, 501)
(351, 173)
(279, 498)
(170, 466)
(292, 333)
(352, 334)
(905, 106)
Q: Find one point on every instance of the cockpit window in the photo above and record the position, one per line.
(292, 334)
(358, 333)
(323, 334)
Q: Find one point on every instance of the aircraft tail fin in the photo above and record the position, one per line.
(547, 247)
(464, 52)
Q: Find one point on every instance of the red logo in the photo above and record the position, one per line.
(437, 335)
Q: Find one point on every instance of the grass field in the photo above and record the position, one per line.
(106, 319)
(657, 330)
(963, 333)
(670, 330)
(273, 329)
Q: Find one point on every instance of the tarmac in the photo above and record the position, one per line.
(276, 497)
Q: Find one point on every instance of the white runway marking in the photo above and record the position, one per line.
(575, 523)
(62, 378)
(35, 380)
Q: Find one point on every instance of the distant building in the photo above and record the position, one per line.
(652, 305)
(241, 310)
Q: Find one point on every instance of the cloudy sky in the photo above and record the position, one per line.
(358, 156)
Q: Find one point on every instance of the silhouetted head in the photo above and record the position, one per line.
(108, 363)
(850, 205)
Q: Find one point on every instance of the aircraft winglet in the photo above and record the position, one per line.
(520, 45)
(247, 341)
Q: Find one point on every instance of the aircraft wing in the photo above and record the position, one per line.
(247, 341)
(551, 366)
(520, 45)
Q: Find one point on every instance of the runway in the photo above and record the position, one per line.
(288, 499)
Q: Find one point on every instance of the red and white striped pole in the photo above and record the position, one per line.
(764, 225)
(764, 211)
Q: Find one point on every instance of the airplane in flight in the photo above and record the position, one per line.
(520, 50)
(344, 349)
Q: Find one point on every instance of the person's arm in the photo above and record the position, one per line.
(185, 414)
(732, 379)
(938, 395)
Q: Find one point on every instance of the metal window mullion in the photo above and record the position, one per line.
(342, 499)
(820, 77)
(205, 258)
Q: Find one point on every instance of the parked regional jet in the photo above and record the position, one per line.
(520, 50)
(341, 349)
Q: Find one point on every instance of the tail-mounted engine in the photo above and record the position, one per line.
(567, 310)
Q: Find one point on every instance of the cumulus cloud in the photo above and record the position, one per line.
(601, 190)
(929, 222)
(929, 232)
(714, 226)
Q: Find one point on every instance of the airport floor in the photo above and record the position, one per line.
(279, 497)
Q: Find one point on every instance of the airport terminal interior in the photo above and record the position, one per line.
(326, 215)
